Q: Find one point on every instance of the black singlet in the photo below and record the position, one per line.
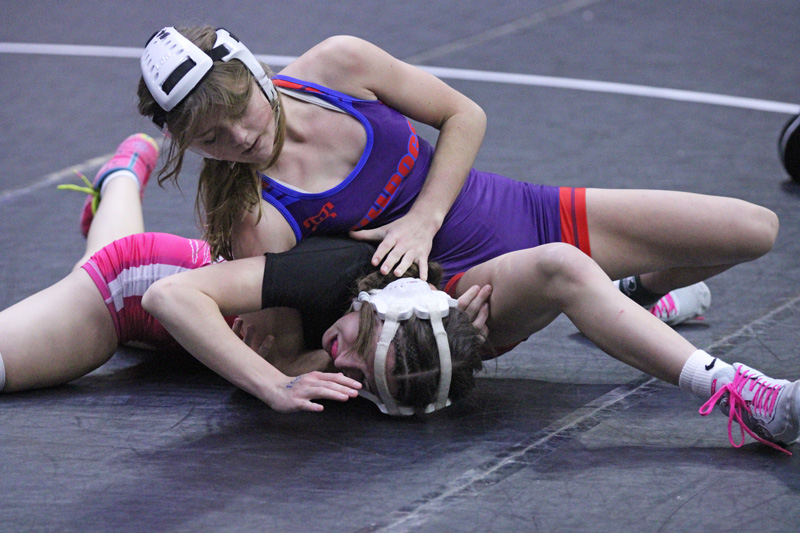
(318, 278)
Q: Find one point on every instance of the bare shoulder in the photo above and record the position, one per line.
(340, 62)
(261, 231)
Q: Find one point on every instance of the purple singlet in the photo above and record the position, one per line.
(491, 216)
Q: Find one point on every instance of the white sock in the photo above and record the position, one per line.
(121, 173)
(696, 376)
(2, 373)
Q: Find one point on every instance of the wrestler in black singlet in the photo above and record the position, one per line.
(318, 278)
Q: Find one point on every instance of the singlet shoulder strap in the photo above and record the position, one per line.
(305, 93)
(311, 99)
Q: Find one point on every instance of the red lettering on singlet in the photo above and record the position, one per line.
(325, 212)
(413, 143)
(404, 168)
(405, 165)
(393, 184)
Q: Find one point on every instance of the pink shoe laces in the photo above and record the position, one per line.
(664, 307)
(764, 401)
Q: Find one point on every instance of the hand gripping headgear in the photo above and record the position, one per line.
(172, 66)
(398, 301)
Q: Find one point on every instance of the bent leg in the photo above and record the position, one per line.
(532, 287)
(117, 216)
(59, 334)
(560, 278)
(674, 238)
(119, 212)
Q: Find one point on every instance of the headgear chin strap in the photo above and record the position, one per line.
(398, 301)
(172, 66)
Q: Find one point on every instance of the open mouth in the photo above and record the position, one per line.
(334, 349)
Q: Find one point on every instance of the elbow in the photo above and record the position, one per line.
(474, 111)
(467, 115)
(157, 296)
(477, 118)
(480, 116)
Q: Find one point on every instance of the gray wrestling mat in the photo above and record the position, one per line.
(557, 436)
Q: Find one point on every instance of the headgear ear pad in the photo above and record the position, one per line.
(789, 147)
(172, 66)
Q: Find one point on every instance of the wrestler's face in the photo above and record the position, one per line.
(340, 343)
(244, 139)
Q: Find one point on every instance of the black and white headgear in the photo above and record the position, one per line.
(172, 66)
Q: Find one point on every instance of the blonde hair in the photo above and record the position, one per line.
(225, 190)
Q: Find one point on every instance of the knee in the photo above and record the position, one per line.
(565, 270)
(761, 230)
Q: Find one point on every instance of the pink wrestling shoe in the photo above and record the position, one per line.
(682, 305)
(138, 154)
(767, 409)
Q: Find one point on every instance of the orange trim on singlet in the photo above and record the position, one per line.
(574, 225)
(492, 351)
(450, 288)
(574, 231)
(292, 85)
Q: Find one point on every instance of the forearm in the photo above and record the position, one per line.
(459, 141)
(303, 362)
(194, 320)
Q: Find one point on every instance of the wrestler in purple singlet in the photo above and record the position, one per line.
(491, 216)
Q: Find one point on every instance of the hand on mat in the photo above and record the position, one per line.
(405, 241)
(295, 394)
(475, 302)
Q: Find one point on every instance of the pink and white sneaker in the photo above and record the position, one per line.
(682, 305)
(137, 154)
(767, 409)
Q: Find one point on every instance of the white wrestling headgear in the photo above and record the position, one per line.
(398, 301)
(172, 66)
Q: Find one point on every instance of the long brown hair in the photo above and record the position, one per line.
(416, 369)
(225, 190)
